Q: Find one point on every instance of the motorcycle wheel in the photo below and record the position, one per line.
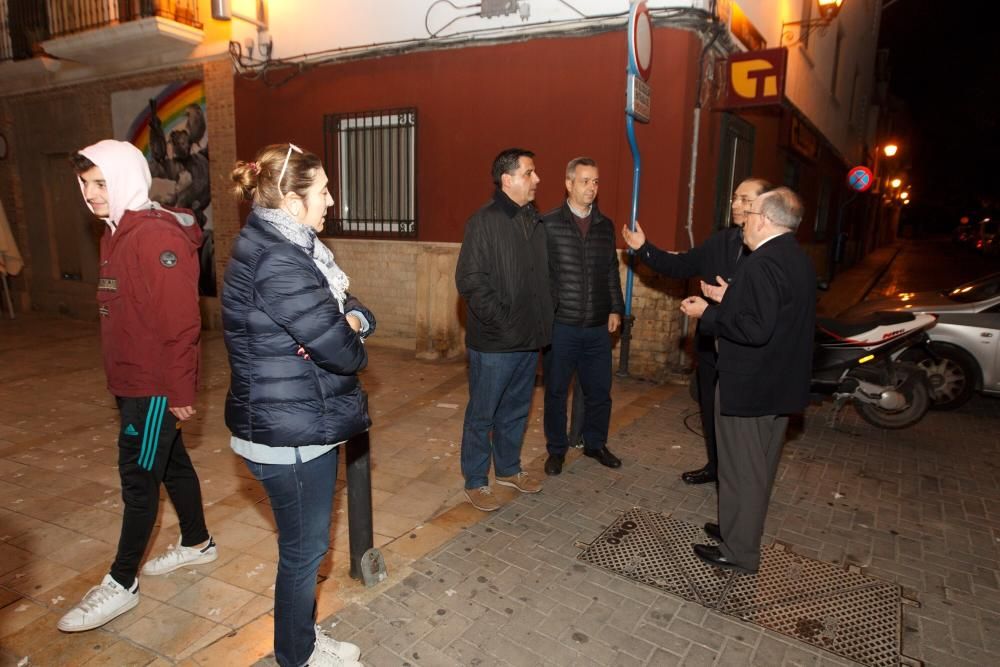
(918, 402)
(952, 376)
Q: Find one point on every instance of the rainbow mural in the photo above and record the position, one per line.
(170, 105)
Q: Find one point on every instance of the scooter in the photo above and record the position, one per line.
(853, 361)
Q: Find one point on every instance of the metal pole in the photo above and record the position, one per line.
(628, 320)
(359, 500)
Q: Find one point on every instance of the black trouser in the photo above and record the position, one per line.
(150, 451)
(707, 377)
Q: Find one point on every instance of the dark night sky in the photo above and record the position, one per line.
(945, 67)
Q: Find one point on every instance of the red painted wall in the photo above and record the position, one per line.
(559, 97)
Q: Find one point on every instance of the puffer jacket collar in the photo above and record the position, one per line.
(595, 213)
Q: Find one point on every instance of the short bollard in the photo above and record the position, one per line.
(359, 512)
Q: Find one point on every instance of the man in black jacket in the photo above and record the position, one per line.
(503, 275)
(765, 325)
(716, 258)
(583, 271)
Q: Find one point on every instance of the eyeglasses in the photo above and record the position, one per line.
(284, 165)
(743, 198)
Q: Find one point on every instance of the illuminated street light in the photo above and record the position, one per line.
(890, 150)
(904, 195)
(896, 182)
(828, 9)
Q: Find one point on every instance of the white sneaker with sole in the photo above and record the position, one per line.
(101, 604)
(328, 652)
(178, 556)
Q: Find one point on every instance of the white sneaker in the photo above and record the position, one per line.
(175, 557)
(328, 652)
(100, 605)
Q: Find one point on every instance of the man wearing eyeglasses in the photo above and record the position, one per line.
(714, 261)
(764, 323)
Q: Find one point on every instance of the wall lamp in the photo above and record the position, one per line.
(828, 10)
(222, 11)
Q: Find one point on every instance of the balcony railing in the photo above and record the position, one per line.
(25, 24)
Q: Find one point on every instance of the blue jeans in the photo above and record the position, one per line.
(500, 388)
(587, 352)
(301, 496)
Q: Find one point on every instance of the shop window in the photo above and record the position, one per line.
(371, 159)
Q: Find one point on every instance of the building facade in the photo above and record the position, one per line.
(408, 106)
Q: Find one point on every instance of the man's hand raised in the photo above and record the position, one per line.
(634, 239)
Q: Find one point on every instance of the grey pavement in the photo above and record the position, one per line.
(852, 285)
(918, 507)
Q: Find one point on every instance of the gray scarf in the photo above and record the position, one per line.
(304, 238)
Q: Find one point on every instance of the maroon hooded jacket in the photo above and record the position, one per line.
(147, 291)
(148, 300)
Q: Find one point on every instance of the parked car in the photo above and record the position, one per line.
(965, 234)
(988, 241)
(965, 341)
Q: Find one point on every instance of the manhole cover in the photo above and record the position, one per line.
(844, 612)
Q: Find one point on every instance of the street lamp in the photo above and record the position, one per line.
(890, 150)
(904, 195)
(896, 182)
(828, 10)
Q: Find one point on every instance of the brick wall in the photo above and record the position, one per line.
(384, 275)
(221, 117)
(42, 127)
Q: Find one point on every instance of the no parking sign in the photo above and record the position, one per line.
(859, 178)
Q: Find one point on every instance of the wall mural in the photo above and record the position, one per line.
(167, 123)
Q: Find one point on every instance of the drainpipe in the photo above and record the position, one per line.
(715, 29)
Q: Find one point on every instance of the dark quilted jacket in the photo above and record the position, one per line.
(275, 299)
(503, 276)
(583, 271)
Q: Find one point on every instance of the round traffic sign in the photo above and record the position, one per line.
(860, 178)
(640, 43)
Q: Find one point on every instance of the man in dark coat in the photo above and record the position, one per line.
(503, 276)
(764, 323)
(583, 271)
(715, 259)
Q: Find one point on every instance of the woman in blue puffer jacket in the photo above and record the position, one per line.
(295, 338)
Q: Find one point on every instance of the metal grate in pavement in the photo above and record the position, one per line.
(842, 611)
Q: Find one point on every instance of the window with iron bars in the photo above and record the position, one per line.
(371, 159)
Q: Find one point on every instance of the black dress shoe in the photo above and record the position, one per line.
(604, 457)
(713, 531)
(713, 556)
(554, 464)
(699, 476)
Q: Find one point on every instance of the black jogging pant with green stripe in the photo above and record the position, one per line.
(150, 451)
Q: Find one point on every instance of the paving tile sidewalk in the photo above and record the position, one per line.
(919, 507)
(851, 285)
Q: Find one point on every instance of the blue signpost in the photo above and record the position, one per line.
(640, 59)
